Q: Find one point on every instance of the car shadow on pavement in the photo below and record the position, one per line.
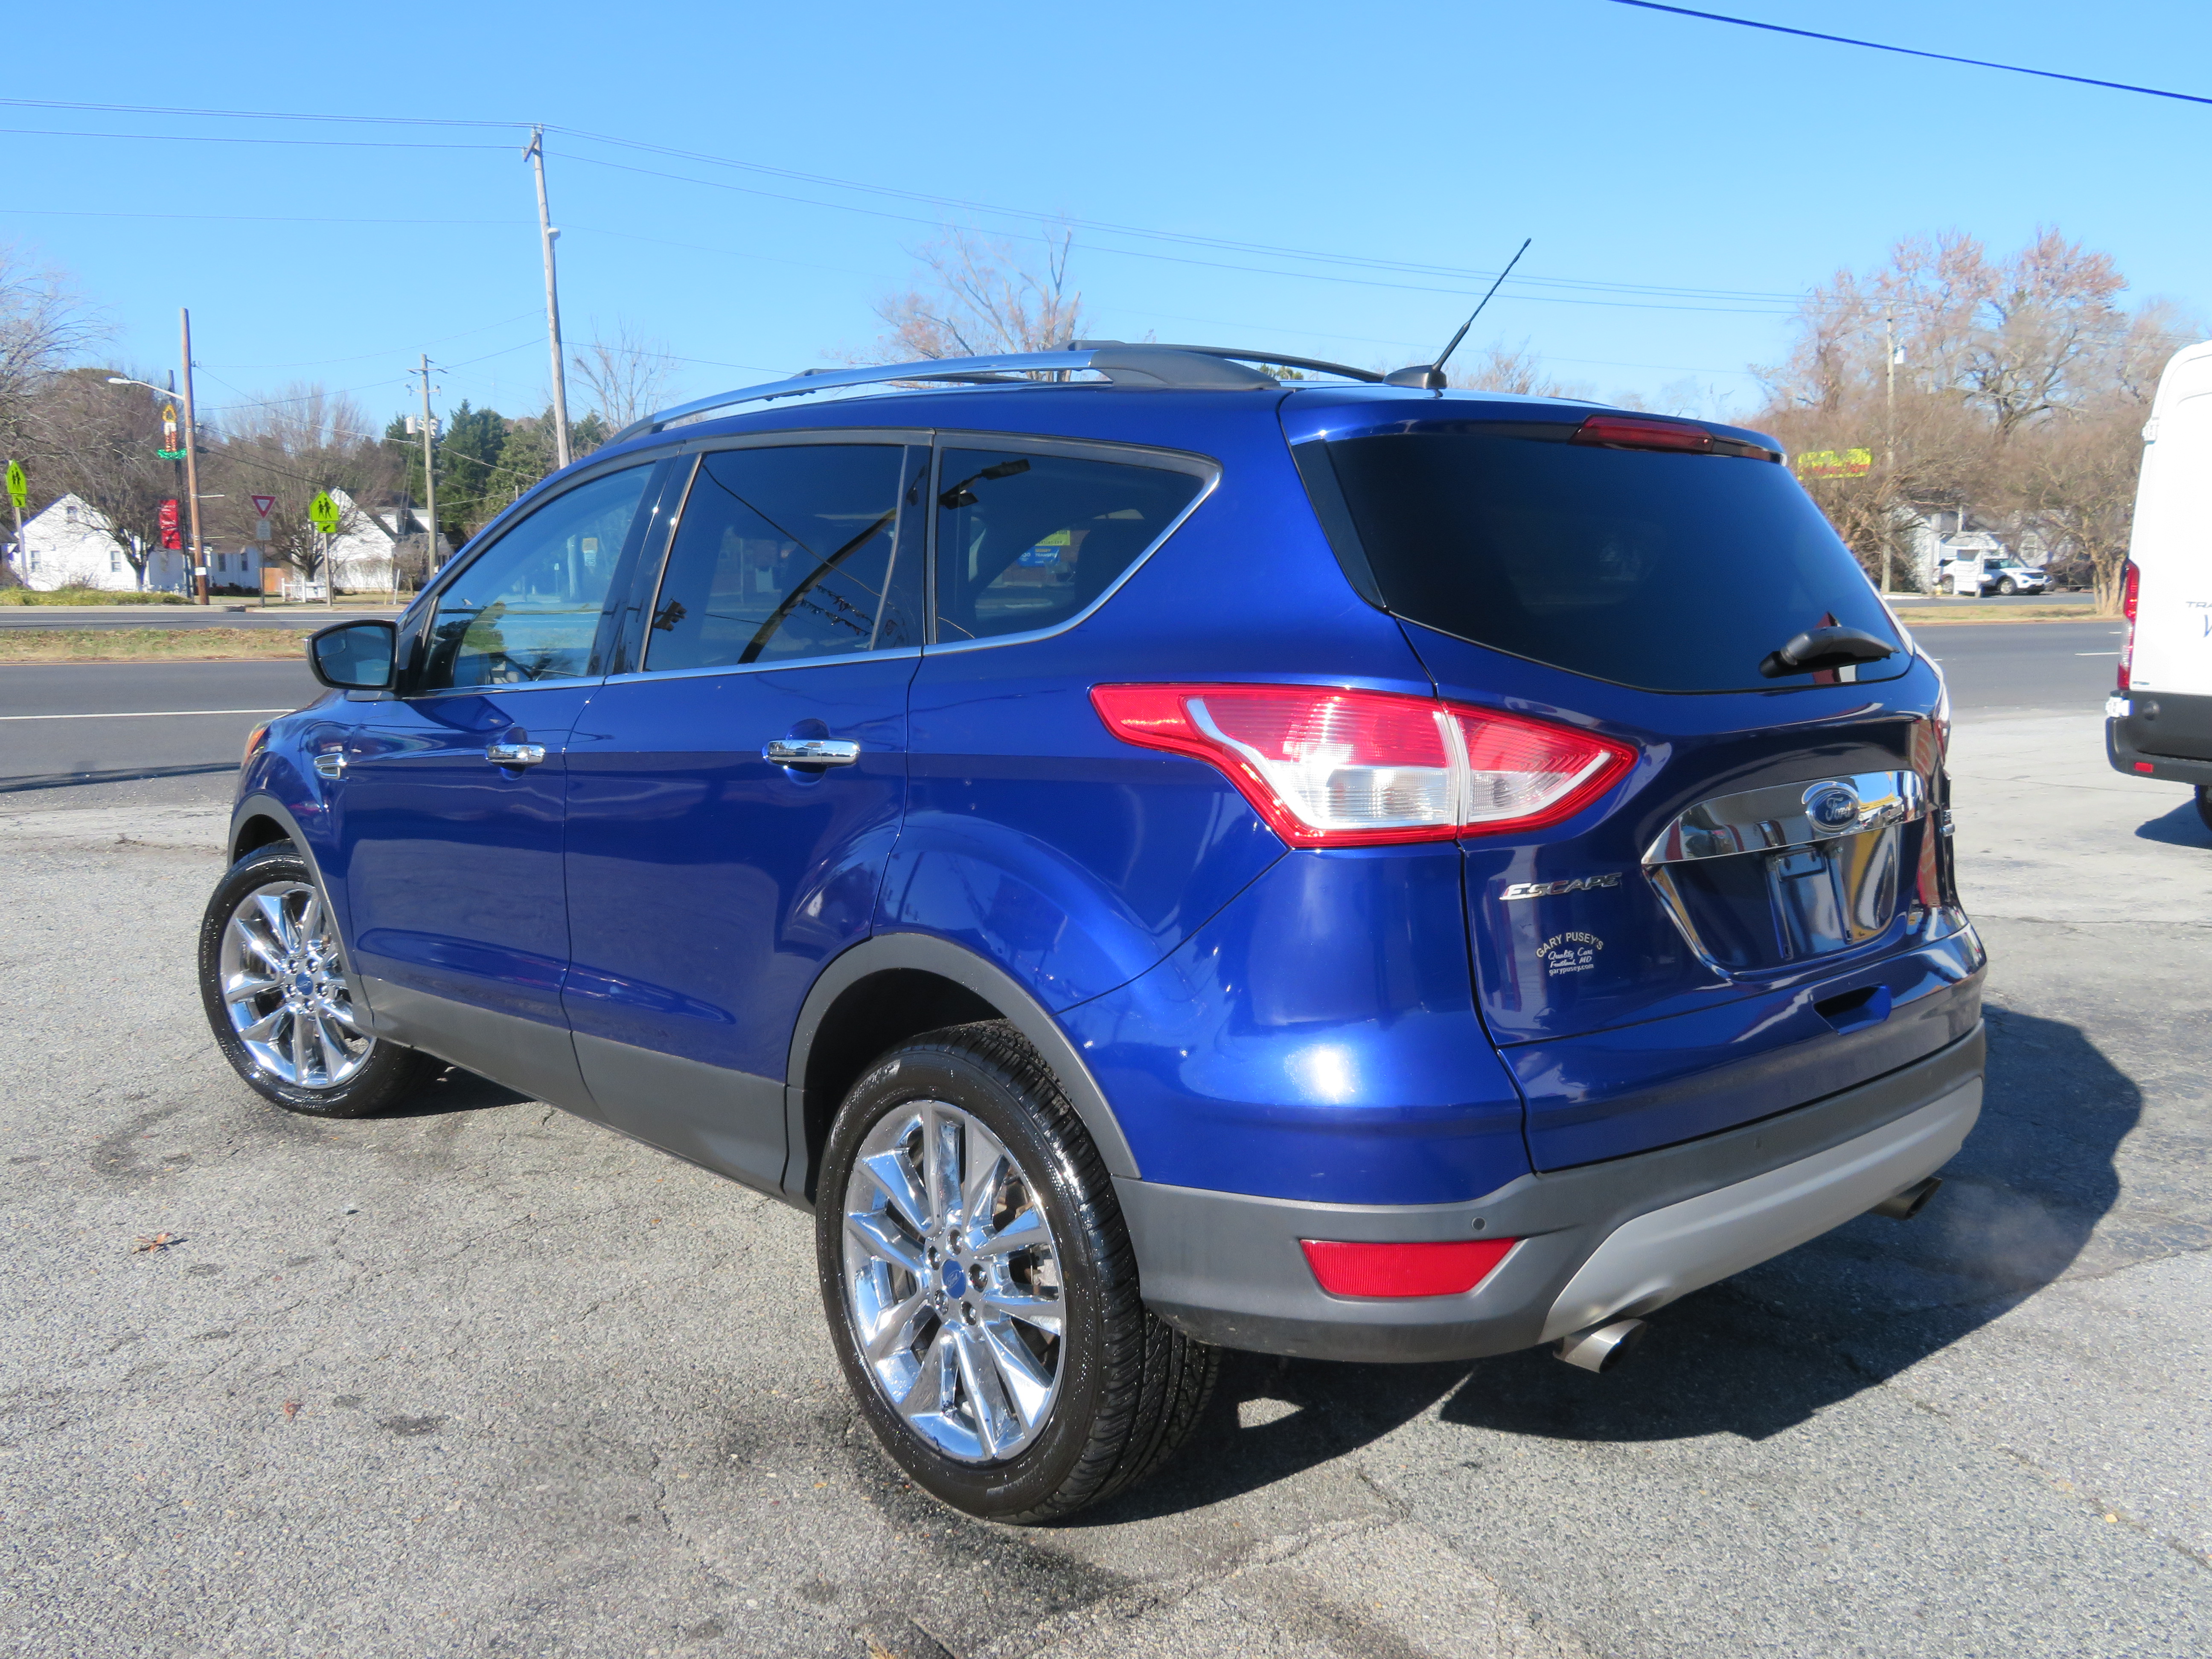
(1766, 1350)
(1754, 1355)
(453, 1091)
(1270, 1419)
(2183, 827)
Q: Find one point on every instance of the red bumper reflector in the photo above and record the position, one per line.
(2145, 766)
(1449, 1268)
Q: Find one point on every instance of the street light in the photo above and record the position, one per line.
(195, 552)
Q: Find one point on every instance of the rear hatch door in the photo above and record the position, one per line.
(1758, 915)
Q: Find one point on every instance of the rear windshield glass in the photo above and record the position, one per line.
(1670, 571)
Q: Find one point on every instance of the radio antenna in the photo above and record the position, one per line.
(1432, 375)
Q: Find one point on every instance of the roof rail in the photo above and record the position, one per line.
(1373, 377)
(1192, 368)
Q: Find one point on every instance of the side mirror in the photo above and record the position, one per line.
(356, 656)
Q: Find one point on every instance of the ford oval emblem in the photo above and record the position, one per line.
(1833, 808)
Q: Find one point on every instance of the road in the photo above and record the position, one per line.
(176, 616)
(477, 1378)
(2020, 667)
(81, 734)
(175, 759)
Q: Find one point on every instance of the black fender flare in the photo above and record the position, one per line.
(923, 952)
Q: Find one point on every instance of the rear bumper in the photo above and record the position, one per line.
(2163, 735)
(1617, 1238)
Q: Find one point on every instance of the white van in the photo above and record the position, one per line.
(2159, 722)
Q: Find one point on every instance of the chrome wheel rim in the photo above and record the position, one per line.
(951, 1282)
(283, 987)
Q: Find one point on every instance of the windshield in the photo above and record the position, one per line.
(1670, 571)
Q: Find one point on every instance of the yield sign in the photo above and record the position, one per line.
(263, 504)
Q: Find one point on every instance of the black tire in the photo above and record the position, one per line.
(386, 1073)
(1131, 1387)
(2007, 587)
(2204, 805)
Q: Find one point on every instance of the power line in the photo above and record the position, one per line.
(361, 357)
(1914, 51)
(253, 114)
(1186, 260)
(230, 138)
(257, 218)
(1191, 238)
(1109, 228)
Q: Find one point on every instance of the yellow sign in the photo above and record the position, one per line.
(322, 513)
(1835, 464)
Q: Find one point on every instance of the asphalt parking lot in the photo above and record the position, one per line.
(482, 1379)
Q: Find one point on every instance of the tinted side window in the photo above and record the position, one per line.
(527, 608)
(781, 554)
(1026, 541)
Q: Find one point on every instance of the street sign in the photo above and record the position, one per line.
(263, 504)
(324, 512)
(1835, 464)
(19, 487)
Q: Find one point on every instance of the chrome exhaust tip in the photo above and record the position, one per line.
(1903, 1207)
(1603, 1346)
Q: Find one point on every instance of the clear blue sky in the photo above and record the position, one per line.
(1641, 153)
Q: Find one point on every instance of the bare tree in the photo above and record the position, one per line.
(627, 376)
(97, 442)
(1501, 368)
(44, 323)
(303, 441)
(2014, 384)
(2076, 484)
(974, 297)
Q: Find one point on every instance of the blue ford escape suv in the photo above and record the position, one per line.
(1154, 856)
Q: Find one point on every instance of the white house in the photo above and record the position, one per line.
(69, 544)
(360, 555)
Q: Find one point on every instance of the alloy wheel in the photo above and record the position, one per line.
(284, 990)
(951, 1280)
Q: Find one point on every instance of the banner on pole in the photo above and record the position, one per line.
(170, 538)
(1835, 464)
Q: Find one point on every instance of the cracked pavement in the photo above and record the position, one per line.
(480, 1379)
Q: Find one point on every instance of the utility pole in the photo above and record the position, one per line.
(1888, 426)
(198, 553)
(429, 478)
(546, 232)
(23, 558)
(176, 467)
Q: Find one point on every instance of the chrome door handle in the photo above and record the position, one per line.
(516, 754)
(330, 764)
(811, 751)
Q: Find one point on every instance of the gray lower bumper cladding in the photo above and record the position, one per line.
(1607, 1240)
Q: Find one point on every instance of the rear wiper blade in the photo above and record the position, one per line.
(1818, 648)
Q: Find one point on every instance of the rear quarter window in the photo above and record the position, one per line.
(1026, 540)
(1670, 571)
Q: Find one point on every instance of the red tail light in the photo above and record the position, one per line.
(2131, 585)
(1452, 1268)
(1332, 768)
(1627, 432)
